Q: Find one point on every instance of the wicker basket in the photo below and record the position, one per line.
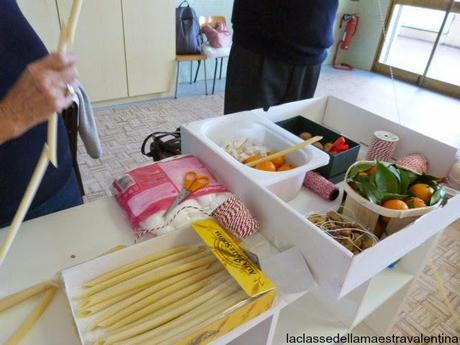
(368, 213)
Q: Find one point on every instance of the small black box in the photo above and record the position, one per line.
(338, 163)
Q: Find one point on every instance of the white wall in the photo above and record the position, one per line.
(345, 6)
(364, 45)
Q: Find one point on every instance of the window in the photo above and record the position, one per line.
(422, 44)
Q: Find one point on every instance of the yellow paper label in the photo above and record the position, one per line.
(251, 279)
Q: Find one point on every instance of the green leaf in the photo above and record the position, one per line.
(385, 180)
(395, 172)
(437, 196)
(359, 168)
(370, 191)
(407, 179)
(362, 178)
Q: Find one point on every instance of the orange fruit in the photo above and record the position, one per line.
(422, 191)
(286, 167)
(371, 170)
(279, 161)
(266, 166)
(395, 204)
(252, 159)
(415, 202)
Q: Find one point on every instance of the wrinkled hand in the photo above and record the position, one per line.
(40, 91)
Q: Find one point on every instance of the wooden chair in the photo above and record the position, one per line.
(215, 53)
(191, 57)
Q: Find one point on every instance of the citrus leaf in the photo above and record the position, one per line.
(370, 191)
(385, 180)
(437, 196)
(359, 168)
(395, 172)
(407, 179)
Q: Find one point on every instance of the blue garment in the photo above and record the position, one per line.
(297, 32)
(68, 196)
(19, 46)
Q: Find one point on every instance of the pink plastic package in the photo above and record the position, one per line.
(150, 190)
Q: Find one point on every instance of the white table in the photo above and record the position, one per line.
(45, 246)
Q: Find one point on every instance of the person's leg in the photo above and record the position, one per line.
(242, 75)
(253, 81)
(303, 82)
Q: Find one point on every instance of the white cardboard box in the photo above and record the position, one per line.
(334, 268)
(289, 286)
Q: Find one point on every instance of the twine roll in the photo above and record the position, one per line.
(236, 218)
(321, 186)
(383, 146)
(232, 215)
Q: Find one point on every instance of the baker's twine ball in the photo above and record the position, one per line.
(236, 218)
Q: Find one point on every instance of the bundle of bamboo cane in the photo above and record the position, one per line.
(160, 298)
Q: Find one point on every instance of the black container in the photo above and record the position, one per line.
(338, 163)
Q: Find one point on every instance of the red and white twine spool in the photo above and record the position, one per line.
(232, 215)
(321, 186)
(383, 146)
(236, 218)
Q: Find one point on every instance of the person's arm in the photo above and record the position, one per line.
(40, 91)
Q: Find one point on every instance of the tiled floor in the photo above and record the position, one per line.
(123, 128)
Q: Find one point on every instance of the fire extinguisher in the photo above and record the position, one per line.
(351, 28)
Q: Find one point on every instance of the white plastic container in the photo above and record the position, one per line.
(258, 130)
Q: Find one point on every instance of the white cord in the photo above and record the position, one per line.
(393, 82)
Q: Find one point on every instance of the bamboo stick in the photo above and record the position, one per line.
(18, 297)
(26, 201)
(189, 322)
(66, 38)
(156, 276)
(133, 265)
(88, 310)
(142, 269)
(285, 151)
(49, 150)
(30, 321)
(159, 300)
(166, 317)
(176, 281)
(185, 300)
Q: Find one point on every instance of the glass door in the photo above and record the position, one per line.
(421, 43)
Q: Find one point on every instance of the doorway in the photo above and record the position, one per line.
(421, 43)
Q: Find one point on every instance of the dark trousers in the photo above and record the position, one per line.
(257, 81)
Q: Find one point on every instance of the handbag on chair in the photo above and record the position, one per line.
(188, 32)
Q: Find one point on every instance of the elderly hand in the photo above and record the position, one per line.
(40, 91)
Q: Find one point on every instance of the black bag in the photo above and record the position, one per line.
(163, 145)
(188, 32)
